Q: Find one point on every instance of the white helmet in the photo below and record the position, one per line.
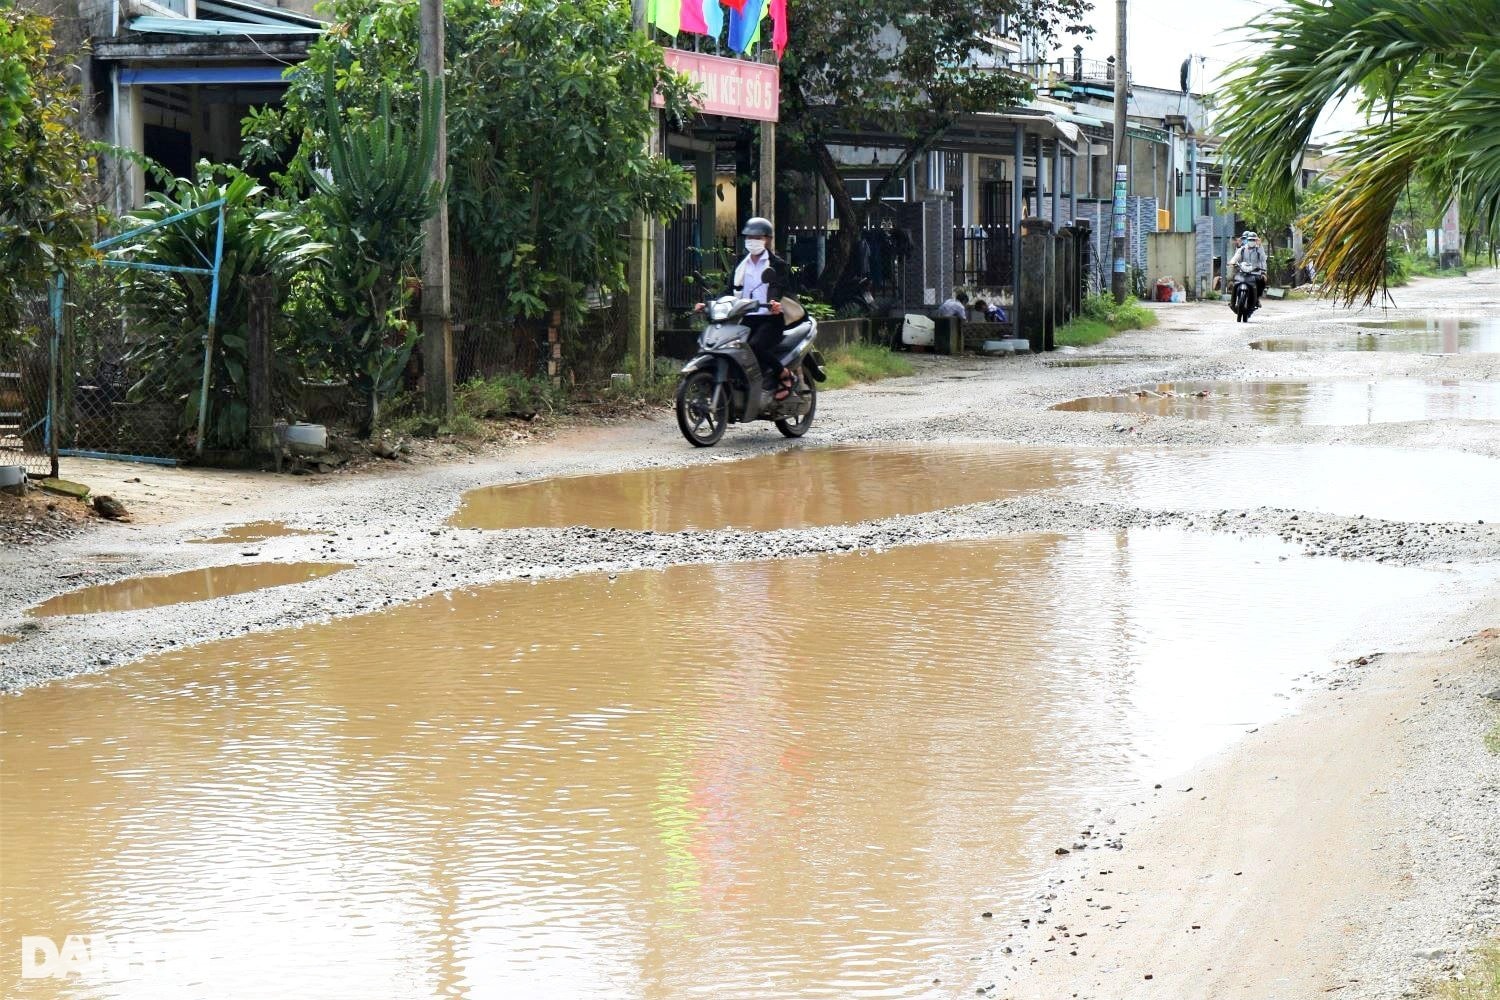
(1250, 235)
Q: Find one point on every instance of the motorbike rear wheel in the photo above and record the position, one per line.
(701, 422)
(797, 428)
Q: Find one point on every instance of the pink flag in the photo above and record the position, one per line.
(692, 17)
(778, 26)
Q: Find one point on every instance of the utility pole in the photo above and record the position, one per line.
(437, 330)
(640, 268)
(1122, 171)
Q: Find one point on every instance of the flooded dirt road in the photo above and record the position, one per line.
(1309, 403)
(1429, 335)
(181, 588)
(797, 778)
(609, 717)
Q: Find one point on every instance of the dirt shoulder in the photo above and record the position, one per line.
(1322, 855)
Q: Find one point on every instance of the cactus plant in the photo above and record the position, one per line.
(374, 197)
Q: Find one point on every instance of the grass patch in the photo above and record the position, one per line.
(1482, 982)
(1101, 319)
(1492, 739)
(1083, 332)
(861, 362)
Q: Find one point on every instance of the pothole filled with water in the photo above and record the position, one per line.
(1305, 403)
(1433, 335)
(136, 593)
(799, 778)
(810, 487)
(254, 531)
(799, 488)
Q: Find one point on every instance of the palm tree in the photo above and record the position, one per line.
(1427, 73)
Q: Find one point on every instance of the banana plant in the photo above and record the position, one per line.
(374, 197)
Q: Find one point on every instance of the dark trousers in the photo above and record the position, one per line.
(765, 333)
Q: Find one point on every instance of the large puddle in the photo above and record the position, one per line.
(140, 592)
(846, 485)
(798, 488)
(801, 778)
(1306, 403)
(1436, 335)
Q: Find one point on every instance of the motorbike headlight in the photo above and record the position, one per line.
(719, 311)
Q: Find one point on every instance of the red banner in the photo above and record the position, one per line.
(737, 88)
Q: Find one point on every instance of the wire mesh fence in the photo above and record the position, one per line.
(123, 389)
(25, 390)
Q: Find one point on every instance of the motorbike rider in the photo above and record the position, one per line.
(1252, 253)
(765, 277)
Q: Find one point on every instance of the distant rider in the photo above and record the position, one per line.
(1252, 253)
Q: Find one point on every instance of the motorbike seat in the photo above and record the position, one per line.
(792, 337)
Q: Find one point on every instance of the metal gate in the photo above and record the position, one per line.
(107, 404)
(28, 363)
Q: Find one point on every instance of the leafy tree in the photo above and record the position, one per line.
(169, 311)
(901, 68)
(374, 198)
(1432, 73)
(47, 221)
(548, 105)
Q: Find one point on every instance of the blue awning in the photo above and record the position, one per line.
(202, 74)
(190, 26)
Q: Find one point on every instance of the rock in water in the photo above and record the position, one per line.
(111, 508)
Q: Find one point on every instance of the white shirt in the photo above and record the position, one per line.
(749, 277)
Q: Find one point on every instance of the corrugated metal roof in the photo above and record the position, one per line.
(219, 29)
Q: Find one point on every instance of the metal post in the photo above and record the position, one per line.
(1015, 231)
(1056, 185)
(50, 431)
(208, 337)
(437, 329)
(1117, 282)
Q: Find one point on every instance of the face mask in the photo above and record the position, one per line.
(755, 246)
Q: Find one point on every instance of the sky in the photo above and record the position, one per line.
(1162, 33)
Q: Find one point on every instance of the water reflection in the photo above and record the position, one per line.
(1429, 335)
(139, 592)
(802, 778)
(1306, 403)
(791, 489)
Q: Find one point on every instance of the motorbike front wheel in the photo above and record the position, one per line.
(701, 422)
(797, 428)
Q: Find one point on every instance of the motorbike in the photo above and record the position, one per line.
(723, 383)
(1244, 299)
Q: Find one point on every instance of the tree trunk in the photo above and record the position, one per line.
(852, 218)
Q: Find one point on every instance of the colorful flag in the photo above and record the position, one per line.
(778, 26)
(692, 17)
(667, 15)
(744, 26)
(713, 18)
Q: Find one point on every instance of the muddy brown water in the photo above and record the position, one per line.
(254, 531)
(1437, 335)
(1305, 403)
(791, 779)
(136, 593)
(798, 488)
(856, 483)
(6, 640)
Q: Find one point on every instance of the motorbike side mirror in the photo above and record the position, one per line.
(768, 275)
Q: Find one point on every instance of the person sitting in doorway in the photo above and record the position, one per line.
(956, 306)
